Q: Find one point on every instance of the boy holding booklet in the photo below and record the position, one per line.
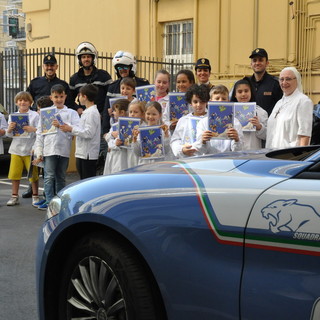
(20, 148)
(87, 134)
(55, 148)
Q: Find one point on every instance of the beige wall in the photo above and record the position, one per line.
(225, 31)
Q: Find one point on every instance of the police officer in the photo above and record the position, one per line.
(268, 90)
(41, 86)
(88, 73)
(203, 69)
(125, 65)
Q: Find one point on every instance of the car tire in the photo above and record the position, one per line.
(104, 279)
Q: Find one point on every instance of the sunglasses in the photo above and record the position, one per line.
(123, 68)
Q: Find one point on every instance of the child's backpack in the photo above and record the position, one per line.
(315, 137)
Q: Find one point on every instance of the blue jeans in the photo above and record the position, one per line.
(55, 168)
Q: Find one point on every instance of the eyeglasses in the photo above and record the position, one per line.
(286, 79)
(123, 68)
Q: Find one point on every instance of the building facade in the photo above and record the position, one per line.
(224, 31)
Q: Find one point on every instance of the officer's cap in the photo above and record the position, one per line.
(49, 59)
(203, 63)
(259, 52)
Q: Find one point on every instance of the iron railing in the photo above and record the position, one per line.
(19, 67)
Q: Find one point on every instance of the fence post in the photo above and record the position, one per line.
(171, 74)
(2, 80)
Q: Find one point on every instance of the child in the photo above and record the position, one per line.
(206, 145)
(153, 116)
(136, 110)
(128, 87)
(43, 102)
(184, 80)
(3, 127)
(197, 96)
(219, 93)
(20, 149)
(55, 148)
(162, 83)
(116, 157)
(243, 92)
(87, 134)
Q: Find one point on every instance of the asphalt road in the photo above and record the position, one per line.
(19, 227)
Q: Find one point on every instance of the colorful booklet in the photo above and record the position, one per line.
(146, 93)
(126, 126)
(151, 141)
(113, 100)
(190, 130)
(21, 120)
(47, 115)
(220, 118)
(178, 105)
(243, 112)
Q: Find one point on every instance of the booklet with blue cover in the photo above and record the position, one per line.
(220, 118)
(190, 130)
(178, 105)
(47, 115)
(21, 120)
(151, 142)
(126, 126)
(243, 112)
(146, 93)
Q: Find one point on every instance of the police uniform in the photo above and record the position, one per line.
(113, 92)
(268, 90)
(41, 86)
(98, 77)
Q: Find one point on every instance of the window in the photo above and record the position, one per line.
(178, 40)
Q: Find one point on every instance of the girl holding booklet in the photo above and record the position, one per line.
(243, 92)
(153, 119)
(162, 84)
(184, 137)
(21, 146)
(136, 110)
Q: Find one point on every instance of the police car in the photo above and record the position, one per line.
(228, 236)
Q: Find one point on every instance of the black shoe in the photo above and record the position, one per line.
(28, 193)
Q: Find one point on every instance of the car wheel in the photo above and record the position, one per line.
(104, 279)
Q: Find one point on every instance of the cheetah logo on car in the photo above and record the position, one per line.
(291, 216)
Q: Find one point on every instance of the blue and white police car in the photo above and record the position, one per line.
(231, 236)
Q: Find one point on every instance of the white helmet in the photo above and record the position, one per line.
(126, 58)
(86, 48)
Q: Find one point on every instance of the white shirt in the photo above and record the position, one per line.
(23, 146)
(57, 144)
(3, 126)
(252, 139)
(218, 145)
(291, 117)
(88, 134)
(178, 136)
(116, 157)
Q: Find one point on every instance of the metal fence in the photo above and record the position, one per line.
(19, 67)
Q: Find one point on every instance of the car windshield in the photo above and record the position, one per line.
(296, 154)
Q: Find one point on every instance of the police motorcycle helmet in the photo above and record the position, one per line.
(126, 59)
(86, 48)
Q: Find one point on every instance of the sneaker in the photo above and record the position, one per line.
(13, 201)
(39, 203)
(44, 206)
(35, 199)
